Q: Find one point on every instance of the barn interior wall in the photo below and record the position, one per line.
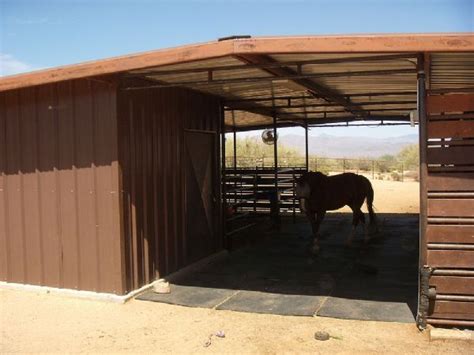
(59, 206)
(152, 151)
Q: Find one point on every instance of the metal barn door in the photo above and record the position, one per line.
(201, 201)
(447, 250)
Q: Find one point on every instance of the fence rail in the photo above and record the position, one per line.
(374, 168)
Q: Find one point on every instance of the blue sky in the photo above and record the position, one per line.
(37, 34)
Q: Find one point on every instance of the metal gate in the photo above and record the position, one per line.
(447, 215)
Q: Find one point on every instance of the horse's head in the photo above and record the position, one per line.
(303, 189)
(308, 183)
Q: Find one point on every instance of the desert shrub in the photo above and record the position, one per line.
(396, 176)
(413, 174)
(386, 163)
(365, 165)
(410, 156)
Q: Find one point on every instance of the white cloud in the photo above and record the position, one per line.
(30, 20)
(9, 65)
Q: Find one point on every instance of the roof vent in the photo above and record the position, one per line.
(228, 38)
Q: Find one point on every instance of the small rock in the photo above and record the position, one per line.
(322, 336)
(162, 287)
(220, 334)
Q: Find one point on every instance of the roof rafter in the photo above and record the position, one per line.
(313, 88)
(276, 64)
(287, 122)
(289, 97)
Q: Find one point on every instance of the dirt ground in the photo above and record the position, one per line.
(36, 322)
(33, 322)
(394, 197)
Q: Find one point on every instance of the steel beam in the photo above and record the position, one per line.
(306, 146)
(311, 121)
(362, 125)
(235, 148)
(313, 88)
(223, 194)
(257, 109)
(423, 301)
(423, 136)
(328, 104)
(341, 111)
(275, 156)
(365, 94)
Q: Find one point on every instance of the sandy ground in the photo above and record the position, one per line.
(48, 323)
(34, 322)
(394, 197)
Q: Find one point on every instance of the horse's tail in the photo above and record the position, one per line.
(370, 202)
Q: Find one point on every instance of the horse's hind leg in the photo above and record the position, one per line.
(366, 227)
(357, 216)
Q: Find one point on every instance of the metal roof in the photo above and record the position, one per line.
(301, 80)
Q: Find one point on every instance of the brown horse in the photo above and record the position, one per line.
(319, 193)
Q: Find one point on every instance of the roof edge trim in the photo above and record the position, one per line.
(449, 42)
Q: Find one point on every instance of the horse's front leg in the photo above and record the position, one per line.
(316, 220)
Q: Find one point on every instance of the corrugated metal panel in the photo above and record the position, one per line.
(59, 214)
(152, 159)
(238, 80)
(452, 71)
(449, 247)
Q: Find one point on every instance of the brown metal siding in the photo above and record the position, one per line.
(152, 153)
(450, 206)
(59, 206)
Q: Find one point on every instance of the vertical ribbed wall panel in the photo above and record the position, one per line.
(59, 200)
(152, 159)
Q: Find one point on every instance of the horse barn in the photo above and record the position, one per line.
(113, 172)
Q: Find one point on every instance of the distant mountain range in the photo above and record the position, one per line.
(349, 147)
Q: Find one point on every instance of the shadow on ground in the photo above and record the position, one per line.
(276, 274)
